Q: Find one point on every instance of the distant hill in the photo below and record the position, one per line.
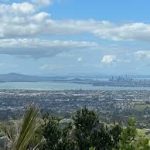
(137, 82)
(15, 77)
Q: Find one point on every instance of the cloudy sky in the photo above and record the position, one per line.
(65, 37)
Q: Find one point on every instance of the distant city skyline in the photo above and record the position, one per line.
(75, 37)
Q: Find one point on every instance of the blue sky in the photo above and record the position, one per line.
(112, 10)
(74, 37)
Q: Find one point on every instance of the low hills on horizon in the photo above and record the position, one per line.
(83, 79)
(17, 77)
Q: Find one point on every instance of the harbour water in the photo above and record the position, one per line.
(62, 86)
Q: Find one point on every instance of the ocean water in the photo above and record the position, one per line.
(62, 86)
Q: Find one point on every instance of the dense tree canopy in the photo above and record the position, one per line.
(84, 131)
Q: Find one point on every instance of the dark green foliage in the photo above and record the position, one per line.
(83, 132)
(86, 132)
(130, 140)
(51, 134)
(115, 132)
(128, 135)
(101, 138)
(67, 140)
(90, 132)
(85, 122)
(57, 137)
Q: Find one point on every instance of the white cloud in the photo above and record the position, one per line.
(21, 22)
(132, 31)
(39, 17)
(33, 43)
(45, 66)
(43, 2)
(142, 55)
(26, 19)
(79, 59)
(41, 48)
(50, 67)
(16, 8)
(108, 59)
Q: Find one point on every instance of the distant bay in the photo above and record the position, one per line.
(52, 85)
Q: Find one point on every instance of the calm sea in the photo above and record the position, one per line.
(62, 86)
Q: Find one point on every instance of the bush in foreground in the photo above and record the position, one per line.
(83, 132)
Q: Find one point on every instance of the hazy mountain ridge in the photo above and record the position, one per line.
(16, 77)
(127, 81)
